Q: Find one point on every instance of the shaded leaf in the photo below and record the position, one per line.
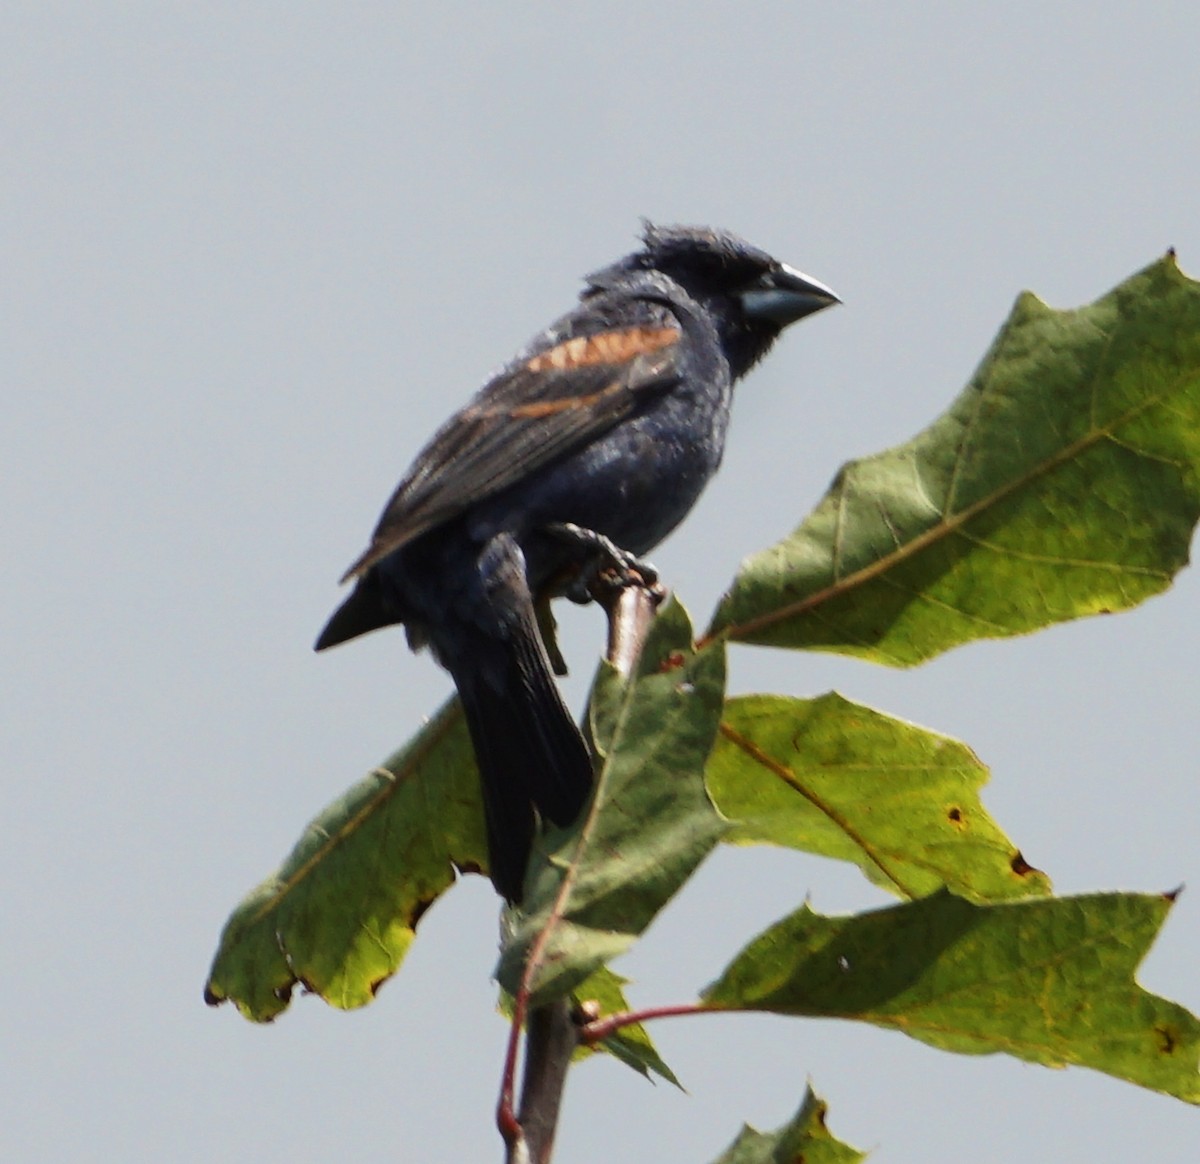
(650, 823)
(834, 778)
(804, 1139)
(338, 915)
(1062, 482)
(604, 993)
(631, 1044)
(1049, 981)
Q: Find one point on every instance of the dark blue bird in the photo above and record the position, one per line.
(599, 436)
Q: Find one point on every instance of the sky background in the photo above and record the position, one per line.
(252, 255)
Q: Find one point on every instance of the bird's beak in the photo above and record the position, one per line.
(784, 295)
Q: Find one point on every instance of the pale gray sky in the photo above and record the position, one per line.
(253, 253)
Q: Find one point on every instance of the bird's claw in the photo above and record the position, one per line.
(604, 564)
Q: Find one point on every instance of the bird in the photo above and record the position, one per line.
(589, 447)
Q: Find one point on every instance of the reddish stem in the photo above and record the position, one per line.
(603, 1028)
(551, 1030)
(506, 1117)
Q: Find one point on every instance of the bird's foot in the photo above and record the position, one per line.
(604, 564)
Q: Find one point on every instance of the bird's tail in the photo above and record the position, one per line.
(529, 750)
(364, 610)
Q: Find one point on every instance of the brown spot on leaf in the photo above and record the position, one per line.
(955, 815)
(211, 997)
(1020, 866)
(673, 662)
(609, 347)
(1167, 1038)
(419, 912)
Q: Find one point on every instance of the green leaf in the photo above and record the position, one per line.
(1061, 483)
(1049, 981)
(604, 990)
(804, 1139)
(603, 993)
(338, 915)
(650, 822)
(838, 779)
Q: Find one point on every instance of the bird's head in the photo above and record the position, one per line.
(753, 296)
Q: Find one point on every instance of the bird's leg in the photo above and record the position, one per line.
(601, 556)
(548, 626)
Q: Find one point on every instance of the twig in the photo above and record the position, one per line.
(551, 1030)
(600, 1029)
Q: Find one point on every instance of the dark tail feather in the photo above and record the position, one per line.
(507, 800)
(363, 611)
(560, 766)
(529, 750)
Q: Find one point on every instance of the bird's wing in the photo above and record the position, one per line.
(553, 401)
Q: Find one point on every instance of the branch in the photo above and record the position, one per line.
(630, 611)
(551, 1031)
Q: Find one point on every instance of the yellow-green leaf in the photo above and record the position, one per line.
(804, 1139)
(1046, 980)
(338, 915)
(834, 778)
(1062, 482)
